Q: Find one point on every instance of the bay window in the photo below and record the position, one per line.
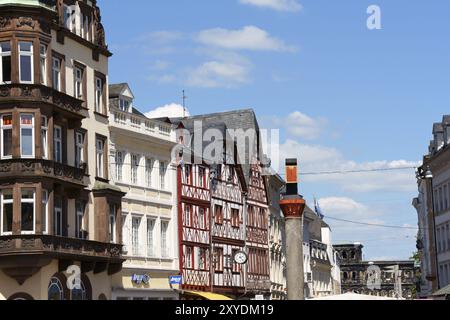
(28, 217)
(26, 62)
(6, 212)
(119, 166)
(112, 223)
(6, 136)
(56, 73)
(99, 95)
(44, 216)
(27, 135)
(5, 63)
(79, 230)
(43, 64)
(44, 137)
(57, 144)
(79, 149)
(57, 218)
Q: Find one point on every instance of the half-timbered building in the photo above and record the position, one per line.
(238, 189)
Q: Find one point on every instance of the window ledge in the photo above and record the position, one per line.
(101, 115)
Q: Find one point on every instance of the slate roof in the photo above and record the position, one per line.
(116, 89)
(244, 119)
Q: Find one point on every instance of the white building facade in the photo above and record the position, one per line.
(434, 207)
(141, 166)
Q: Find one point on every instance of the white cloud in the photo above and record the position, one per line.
(279, 5)
(247, 38)
(172, 110)
(213, 74)
(302, 125)
(316, 158)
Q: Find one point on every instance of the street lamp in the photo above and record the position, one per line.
(428, 175)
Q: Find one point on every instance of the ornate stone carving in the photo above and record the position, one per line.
(5, 167)
(5, 92)
(4, 22)
(26, 92)
(26, 22)
(28, 167)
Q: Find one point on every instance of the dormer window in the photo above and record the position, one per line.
(124, 105)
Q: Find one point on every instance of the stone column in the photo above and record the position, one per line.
(293, 206)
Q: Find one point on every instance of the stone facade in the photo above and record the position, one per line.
(356, 276)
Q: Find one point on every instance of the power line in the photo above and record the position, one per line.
(352, 171)
(371, 224)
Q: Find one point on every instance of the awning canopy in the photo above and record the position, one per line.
(353, 296)
(207, 295)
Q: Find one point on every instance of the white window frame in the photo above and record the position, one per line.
(136, 250)
(5, 54)
(151, 222)
(44, 209)
(79, 148)
(43, 64)
(162, 175)
(80, 208)
(26, 54)
(134, 169)
(164, 236)
(100, 154)
(56, 73)
(27, 126)
(99, 95)
(44, 137)
(57, 141)
(3, 202)
(2, 129)
(124, 104)
(78, 82)
(119, 165)
(33, 201)
(149, 163)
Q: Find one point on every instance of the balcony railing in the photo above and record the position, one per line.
(39, 167)
(142, 125)
(59, 246)
(40, 93)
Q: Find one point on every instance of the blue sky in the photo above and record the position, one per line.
(344, 97)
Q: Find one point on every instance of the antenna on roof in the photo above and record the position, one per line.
(184, 104)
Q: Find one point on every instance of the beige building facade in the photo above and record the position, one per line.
(58, 208)
(140, 160)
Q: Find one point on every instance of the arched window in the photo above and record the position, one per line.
(79, 294)
(55, 289)
(345, 275)
(354, 275)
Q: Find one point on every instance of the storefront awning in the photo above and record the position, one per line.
(207, 295)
